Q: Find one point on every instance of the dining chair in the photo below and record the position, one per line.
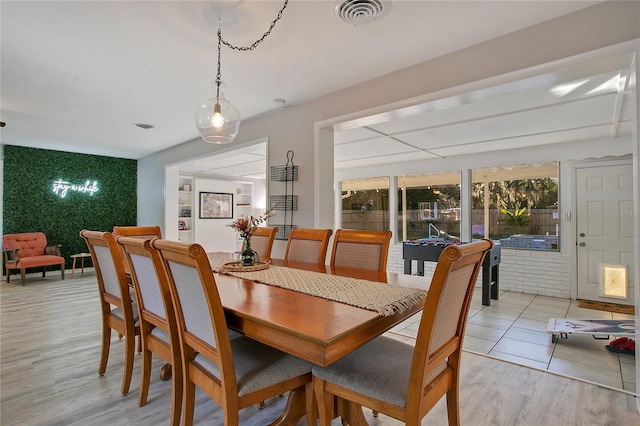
(308, 245)
(361, 249)
(158, 328)
(114, 292)
(234, 372)
(143, 232)
(400, 380)
(262, 241)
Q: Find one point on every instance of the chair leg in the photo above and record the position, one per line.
(311, 407)
(145, 377)
(8, 276)
(23, 272)
(453, 394)
(129, 350)
(62, 271)
(453, 406)
(106, 343)
(324, 401)
(177, 387)
(189, 398)
(176, 399)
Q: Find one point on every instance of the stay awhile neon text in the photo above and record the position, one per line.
(61, 187)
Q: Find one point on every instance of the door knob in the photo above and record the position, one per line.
(582, 234)
(582, 244)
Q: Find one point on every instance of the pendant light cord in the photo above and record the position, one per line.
(222, 41)
(255, 43)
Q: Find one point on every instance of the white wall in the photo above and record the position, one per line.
(213, 234)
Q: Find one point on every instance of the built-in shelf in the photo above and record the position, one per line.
(244, 199)
(185, 209)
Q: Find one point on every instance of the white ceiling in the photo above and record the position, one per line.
(76, 75)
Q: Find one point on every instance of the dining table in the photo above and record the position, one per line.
(317, 329)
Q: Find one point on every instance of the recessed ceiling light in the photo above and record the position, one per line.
(144, 126)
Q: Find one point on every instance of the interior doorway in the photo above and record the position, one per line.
(605, 233)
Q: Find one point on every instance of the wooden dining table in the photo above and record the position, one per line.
(313, 328)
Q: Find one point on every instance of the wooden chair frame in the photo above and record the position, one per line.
(134, 248)
(224, 391)
(304, 234)
(435, 367)
(142, 232)
(352, 236)
(124, 324)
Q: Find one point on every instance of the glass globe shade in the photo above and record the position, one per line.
(218, 120)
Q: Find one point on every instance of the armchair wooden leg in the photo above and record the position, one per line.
(62, 271)
(22, 274)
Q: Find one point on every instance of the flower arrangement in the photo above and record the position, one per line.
(247, 225)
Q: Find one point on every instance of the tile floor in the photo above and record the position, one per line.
(514, 328)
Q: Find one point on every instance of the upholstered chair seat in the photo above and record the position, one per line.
(257, 366)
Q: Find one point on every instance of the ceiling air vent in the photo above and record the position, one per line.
(356, 12)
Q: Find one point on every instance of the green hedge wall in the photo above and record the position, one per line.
(30, 205)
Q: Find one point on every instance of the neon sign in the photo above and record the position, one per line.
(61, 187)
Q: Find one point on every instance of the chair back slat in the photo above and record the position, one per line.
(148, 285)
(445, 322)
(357, 255)
(259, 244)
(193, 302)
(361, 249)
(308, 245)
(304, 251)
(108, 271)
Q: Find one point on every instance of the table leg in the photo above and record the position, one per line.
(73, 266)
(351, 413)
(294, 410)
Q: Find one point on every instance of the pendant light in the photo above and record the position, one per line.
(218, 120)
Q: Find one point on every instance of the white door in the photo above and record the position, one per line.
(604, 226)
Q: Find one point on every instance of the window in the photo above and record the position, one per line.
(365, 204)
(517, 205)
(429, 206)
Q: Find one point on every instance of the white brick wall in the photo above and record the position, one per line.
(545, 273)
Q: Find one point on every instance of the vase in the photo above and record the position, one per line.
(248, 257)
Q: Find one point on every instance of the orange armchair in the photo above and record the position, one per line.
(30, 250)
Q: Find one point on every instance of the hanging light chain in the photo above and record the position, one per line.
(255, 43)
(219, 76)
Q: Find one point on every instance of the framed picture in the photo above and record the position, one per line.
(216, 205)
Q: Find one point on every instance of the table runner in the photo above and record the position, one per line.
(382, 298)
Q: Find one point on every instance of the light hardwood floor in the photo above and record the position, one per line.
(50, 347)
